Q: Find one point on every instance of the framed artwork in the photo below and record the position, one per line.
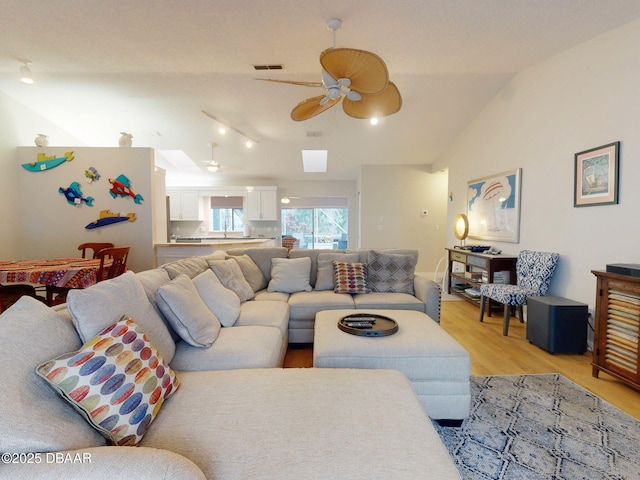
(493, 207)
(596, 176)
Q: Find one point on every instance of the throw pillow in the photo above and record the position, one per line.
(32, 417)
(95, 308)
(290, 275)
(229, 273)
(324, 280)
(224, 303)
(251, 272)
(350, 277)
(392, 272)
(118, 381)
(182, 306)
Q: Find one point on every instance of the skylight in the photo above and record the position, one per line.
(314, 161)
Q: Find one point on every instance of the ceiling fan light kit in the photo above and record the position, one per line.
(357, 77)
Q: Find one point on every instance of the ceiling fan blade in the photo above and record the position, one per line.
(382, 104)
(311, 107)
(293, 82)
(367, 71)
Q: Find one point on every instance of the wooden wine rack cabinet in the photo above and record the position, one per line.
(617, 327)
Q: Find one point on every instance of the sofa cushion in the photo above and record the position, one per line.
(261, 256)
(350, 277)
(251, 272)
(224, 303)
(392, 272)
(235, 348)
(117, 381)
(263, 295)
(305, 305)
(290, 275)
(324, 277)
(386, 300)
(229, 273)
(32, 417)
(266, 314)
(182, 306)
(295, 424)
(95, 308)
(191, 267)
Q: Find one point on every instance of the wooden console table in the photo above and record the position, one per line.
(475, 265)
(616, 327)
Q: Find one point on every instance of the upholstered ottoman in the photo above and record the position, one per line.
(437, 366)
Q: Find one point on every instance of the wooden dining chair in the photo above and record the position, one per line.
(10, 293)
(95, 246)
(58, 295)
(118, 257)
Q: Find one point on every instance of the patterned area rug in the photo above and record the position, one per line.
(542, 427)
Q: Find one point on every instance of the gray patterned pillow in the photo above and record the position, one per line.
(392, 272)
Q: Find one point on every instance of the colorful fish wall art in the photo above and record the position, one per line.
(107, 217)
(122, 186)
(92, 175)
(73, 194)
(44, 162)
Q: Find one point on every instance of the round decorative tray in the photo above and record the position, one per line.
(368, 325)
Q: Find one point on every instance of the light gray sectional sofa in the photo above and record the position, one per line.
(139, 360)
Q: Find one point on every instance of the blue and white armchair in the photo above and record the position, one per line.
(534, 271)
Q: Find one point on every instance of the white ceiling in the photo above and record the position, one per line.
(149, 67)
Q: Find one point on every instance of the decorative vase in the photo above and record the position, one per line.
(42, 140)
(125, 139)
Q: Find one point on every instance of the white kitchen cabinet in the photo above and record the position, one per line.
(184, 205)
(262, 205)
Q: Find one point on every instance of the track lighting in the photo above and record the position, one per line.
(25, 73)
(224, 126)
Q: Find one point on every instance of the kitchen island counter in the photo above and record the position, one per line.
(172, 251)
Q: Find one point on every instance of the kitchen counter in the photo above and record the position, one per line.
(216, 241)
(172, 251)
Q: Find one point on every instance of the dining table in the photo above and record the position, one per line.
(57, 272)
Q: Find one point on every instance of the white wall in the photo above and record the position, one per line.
(50, 227)
(583, 98)
(392, 200)
(20, 126)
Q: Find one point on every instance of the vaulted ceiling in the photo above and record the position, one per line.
(151, 67)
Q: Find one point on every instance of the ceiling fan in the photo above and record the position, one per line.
(212, 165)
(357, 77)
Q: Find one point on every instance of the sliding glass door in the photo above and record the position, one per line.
(317, 227)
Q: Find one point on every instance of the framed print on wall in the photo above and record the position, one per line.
(493, 207)
(596, 176)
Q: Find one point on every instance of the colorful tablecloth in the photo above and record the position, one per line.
(59, 272)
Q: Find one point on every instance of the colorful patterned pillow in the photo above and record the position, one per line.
(118, 381)
(350, 277)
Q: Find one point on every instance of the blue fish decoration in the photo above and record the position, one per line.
(44, 162)
(107, 218)
(73, 194)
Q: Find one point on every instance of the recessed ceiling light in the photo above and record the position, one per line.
(314, 161)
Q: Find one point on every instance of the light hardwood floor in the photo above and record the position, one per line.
(494, 354)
